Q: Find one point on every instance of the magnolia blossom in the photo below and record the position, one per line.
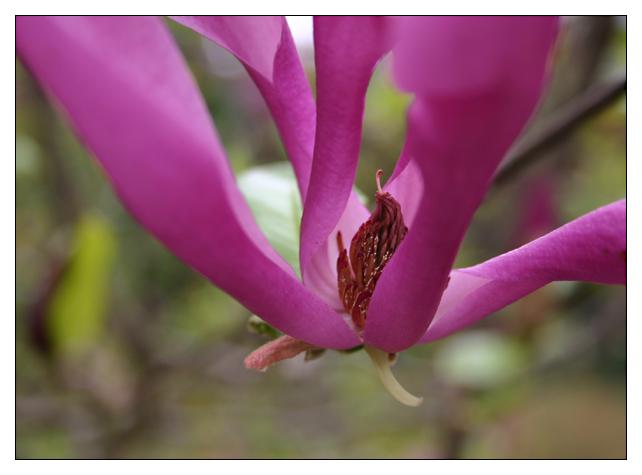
(126, 90)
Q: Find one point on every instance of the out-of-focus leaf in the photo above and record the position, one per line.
(78, 306)
(27, 155)
(479, 359)
(273, 196)
(272, 193)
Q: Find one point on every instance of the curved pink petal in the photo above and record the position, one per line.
(477, 82)
(265, 47)
(252, 39)
(406, 185)
(346, 52)
(591, 248)
(287, 93)
(125, 88)
(320, 275)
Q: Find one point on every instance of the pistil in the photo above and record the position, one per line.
(383, 361)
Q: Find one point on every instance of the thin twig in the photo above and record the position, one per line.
(560, 124)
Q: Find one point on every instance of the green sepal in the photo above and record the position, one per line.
(261, 327)
(352, 350)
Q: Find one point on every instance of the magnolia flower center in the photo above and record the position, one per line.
(371, 249)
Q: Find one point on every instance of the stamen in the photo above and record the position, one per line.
(382, 361)
(379, 173)
(371, 248)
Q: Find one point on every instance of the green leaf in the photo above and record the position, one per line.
(273, 196)
(272, 193)
(78, 307)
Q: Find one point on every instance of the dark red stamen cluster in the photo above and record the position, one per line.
(370, 250)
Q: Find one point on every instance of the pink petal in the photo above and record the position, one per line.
(439, 56)
(252, 39)
(282, 348)
(320, 275)
(125, 88)
(287, 93)
(406, 186)
(591, 248)
(346, 52)
(477, 82)
(265, 47)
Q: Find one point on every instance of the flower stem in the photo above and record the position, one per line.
(559, 124)
(381, 360)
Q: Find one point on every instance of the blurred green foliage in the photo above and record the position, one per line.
(161, 374)
(273, 196)
(77, 309)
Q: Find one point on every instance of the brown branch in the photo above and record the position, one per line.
(560, 124)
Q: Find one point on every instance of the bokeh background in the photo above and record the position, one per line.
(124, 352)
